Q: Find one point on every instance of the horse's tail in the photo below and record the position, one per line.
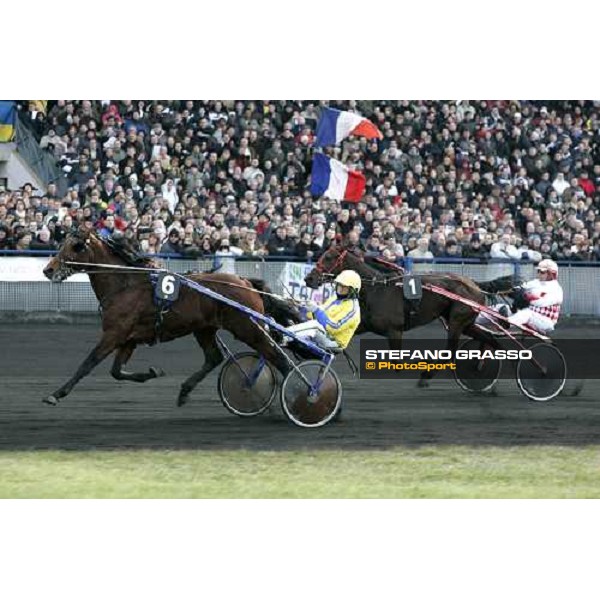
(285, 313)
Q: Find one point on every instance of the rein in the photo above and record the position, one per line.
(116, 268)
(112, 268)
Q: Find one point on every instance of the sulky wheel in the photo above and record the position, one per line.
(544, 376)
(311, 405)
(247, 384)
(475, 375)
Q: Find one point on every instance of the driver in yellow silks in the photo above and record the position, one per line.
(333, 324)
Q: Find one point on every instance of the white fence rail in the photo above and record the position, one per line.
(24, 288)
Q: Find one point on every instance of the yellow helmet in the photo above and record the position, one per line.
(350, 279)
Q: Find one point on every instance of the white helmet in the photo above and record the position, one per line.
(350, 279)
(548, 265)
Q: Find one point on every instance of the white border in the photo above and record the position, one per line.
(299, 549)
(314, 49)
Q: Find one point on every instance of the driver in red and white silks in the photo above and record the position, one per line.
(545, 296)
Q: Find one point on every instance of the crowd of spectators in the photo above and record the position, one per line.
(482, 179)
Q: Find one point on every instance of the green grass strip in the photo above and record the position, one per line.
(431, 472)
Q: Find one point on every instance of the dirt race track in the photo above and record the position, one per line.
(103, 413)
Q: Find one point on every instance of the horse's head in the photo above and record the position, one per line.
(79, 246)
(332, 262)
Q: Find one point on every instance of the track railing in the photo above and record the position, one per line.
(23, 287)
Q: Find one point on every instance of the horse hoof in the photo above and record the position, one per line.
(572, 392)
(423, 383)
(50, 400)
(157, 372)
(577, 390)
(182, 399)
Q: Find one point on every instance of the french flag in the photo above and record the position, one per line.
(336, 125)
(333, 179)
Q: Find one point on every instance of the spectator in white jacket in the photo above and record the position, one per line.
(526, 253)
(504, 249)
(169, 193)
(560, 184)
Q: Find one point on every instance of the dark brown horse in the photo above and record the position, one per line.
(130, 315)
(383, 308)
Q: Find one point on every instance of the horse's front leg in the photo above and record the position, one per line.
(122, 356)
(96, 356)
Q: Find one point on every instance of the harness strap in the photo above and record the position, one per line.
(351, 362)
(162, 308)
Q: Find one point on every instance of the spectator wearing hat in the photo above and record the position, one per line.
(173, 243)
(453, 249)
(474, 248)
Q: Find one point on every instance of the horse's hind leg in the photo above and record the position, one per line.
(95, 357)
(123, 355)
(395, 339)
(213, 357)
(456, 324)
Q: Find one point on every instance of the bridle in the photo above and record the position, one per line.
(65, 268)
(330, 273)
(320, 267)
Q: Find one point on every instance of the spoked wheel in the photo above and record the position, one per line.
(247, 384)
(476, 375)
(544, 376)
(311, 405)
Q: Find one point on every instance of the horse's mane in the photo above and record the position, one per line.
(371, 267)
(387, 269)
(126, 250)
(380, 266)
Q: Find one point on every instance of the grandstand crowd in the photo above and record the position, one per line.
(484, 179)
